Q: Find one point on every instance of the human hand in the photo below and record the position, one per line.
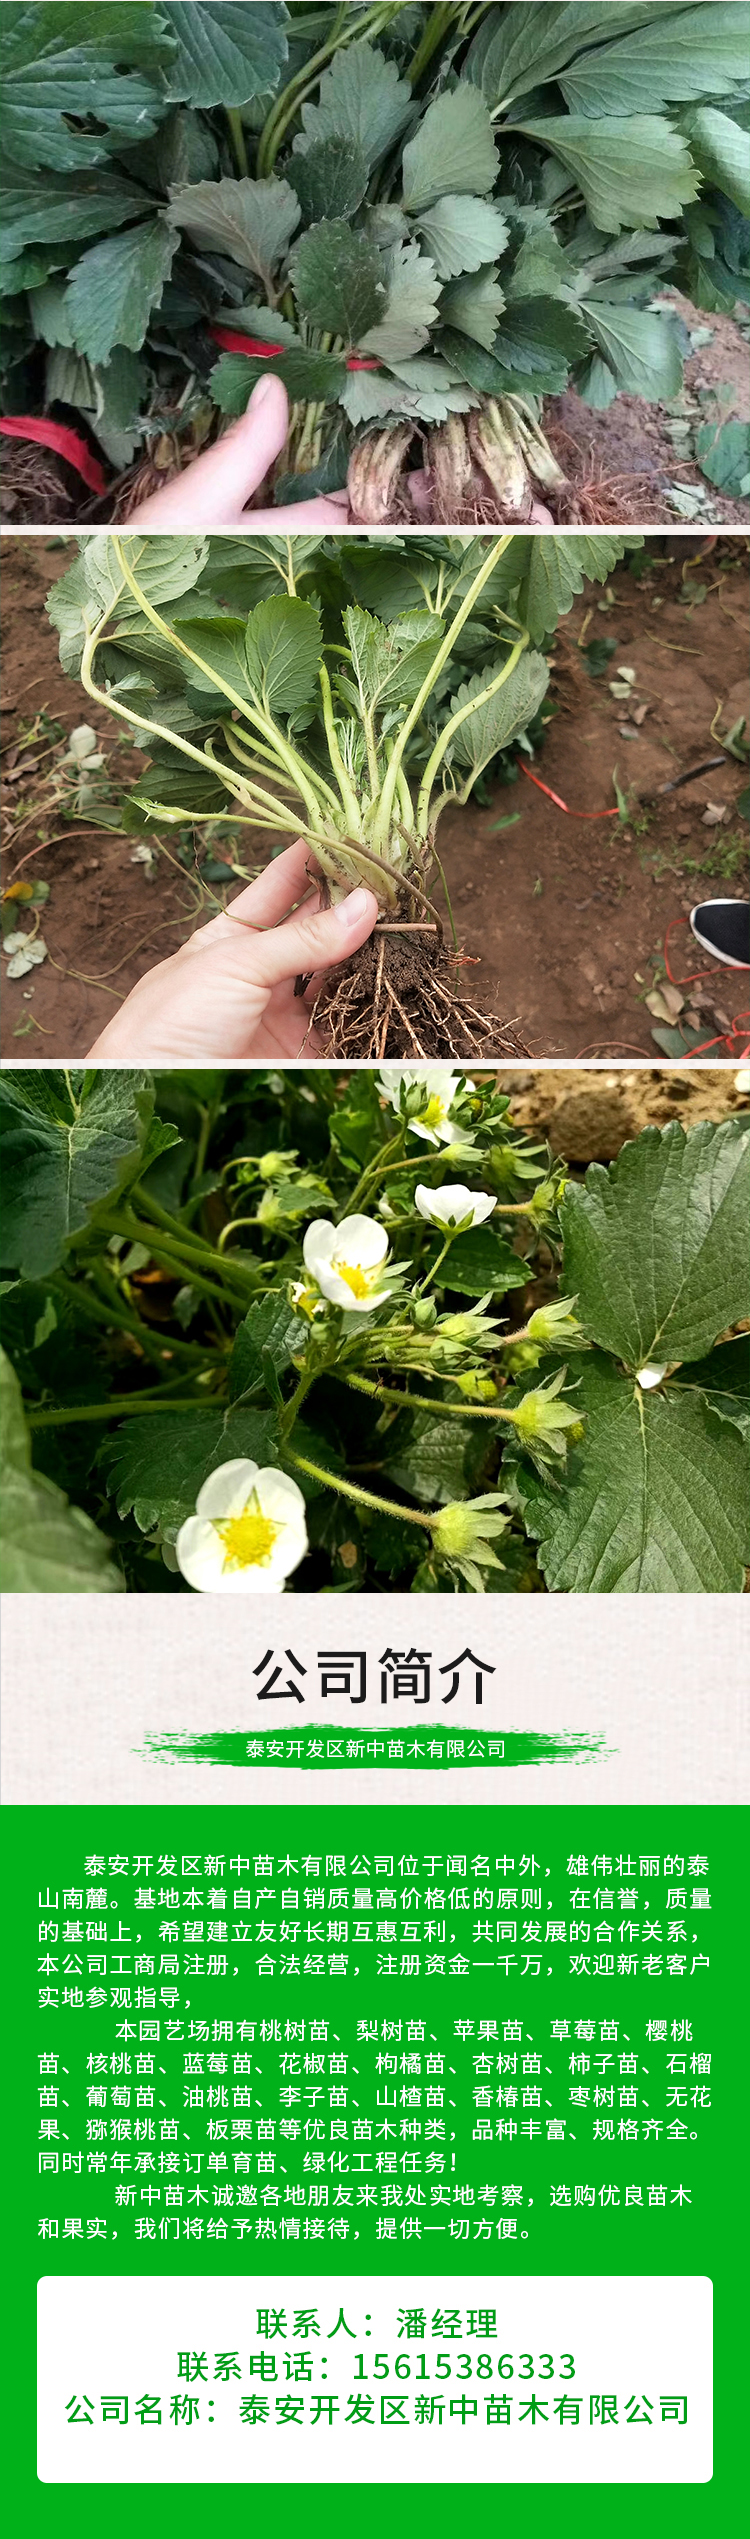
(229, 992)
(212, 492)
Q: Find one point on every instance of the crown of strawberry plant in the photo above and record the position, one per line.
(421, 216)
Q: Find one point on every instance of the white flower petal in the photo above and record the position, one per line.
(453, 1205)
(649, 1376)
(227, 1490)
(360, 1239)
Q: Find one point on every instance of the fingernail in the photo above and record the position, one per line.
(259, 394)
(348, 912)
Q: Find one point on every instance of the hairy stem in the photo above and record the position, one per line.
(387, 797)
(421, 1401)
(120, 1406)
(453, 725)
(252, 713)
(363, 1498)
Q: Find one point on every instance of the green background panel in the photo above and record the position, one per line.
(47, 1844)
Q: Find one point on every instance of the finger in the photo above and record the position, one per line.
(213, 491)
(306, 942)
(263, 903)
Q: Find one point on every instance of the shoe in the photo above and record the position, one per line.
(722, 927)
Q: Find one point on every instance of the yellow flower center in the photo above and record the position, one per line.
(355, 1278)
(248, 1539)
(435, 1112)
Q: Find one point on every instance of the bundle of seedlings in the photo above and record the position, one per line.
(427, 219)
(300, 1332)
(350, 725)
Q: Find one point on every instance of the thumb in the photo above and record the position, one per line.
(219, 482)
(309, 943)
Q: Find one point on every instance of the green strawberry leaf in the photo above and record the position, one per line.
(654, 1500)
(48, 1547)
(656, 1244)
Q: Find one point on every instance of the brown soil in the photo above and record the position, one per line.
(556, 916)
(631, 440)
(403, 996)
(566, 918)
(587, 1114)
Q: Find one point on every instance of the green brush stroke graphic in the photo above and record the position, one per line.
(312, 1750)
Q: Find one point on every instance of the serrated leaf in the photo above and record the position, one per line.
(390, 662)
(655, 1498)
(496, 720)
(270, 1330)
(362, 99)
(632, 172)
(177, 785)
(555, 571)
(697, 52)
(66, 1148)
(114, 288)
(641, 349)
(475, 305)
(49, 316)
(250, 219)
(367, 397)
(39, 207)
(410, 309)
(219, 642)
(724, 1378)
(66, 70)
(720, 150)
(283, 653)
(338, 280)
(48, 1547)
(535, 344)
(154, 1468)
(656, 1246)
(723, 453)
(436, 1459)
(315, 378)
(482, 1263)
(461, 233)
(225, 56)
(164, 569)
(453, 151)
(330, 179)
(518, 49)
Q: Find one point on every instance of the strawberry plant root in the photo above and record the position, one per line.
(400, 997)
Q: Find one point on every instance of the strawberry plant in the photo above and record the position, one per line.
(273, 1332)
(344, 693)
(428, 218)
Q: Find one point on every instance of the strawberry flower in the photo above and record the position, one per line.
(248, 1532)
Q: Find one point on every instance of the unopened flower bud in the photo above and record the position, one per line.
(477, 1388)
(424, 1313)
(273, 1165)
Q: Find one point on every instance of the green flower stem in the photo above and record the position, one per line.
(189, 1250)
(172, 1256)
(421, 1401)
(293, 1407)
(453, 725)
(442, 1256)
(375, 1172)
(237, 136)
(363, 1498)
(116, 1317)
(383, 823)
(284, 751)
(120, 1406)
(192, 1242)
